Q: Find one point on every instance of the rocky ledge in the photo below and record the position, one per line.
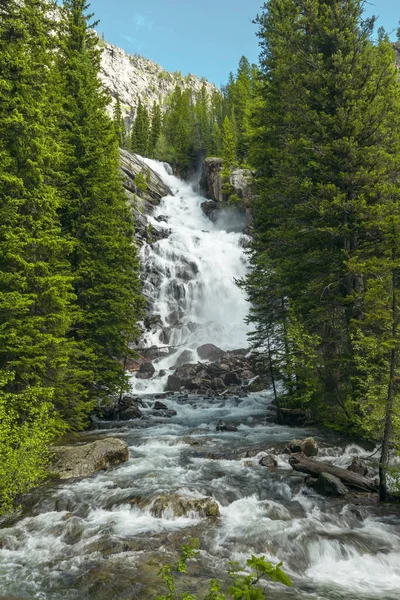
(86, 459)
(218, 206)
(144, 189)
(223, 371)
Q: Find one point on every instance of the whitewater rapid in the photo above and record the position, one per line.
(190, 277)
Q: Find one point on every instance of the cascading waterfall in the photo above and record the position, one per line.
(189, 278)
(101, 538)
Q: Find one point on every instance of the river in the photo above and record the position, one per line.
(100, 539)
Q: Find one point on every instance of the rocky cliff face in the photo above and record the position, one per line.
(133, 77)
(396, 48)
(212, 187)
(144, 190)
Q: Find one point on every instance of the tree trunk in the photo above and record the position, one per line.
(383, 492)
(316, 467)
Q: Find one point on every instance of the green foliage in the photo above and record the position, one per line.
(95, 215)
(140, 131)
(155, 130)
(140, 182)
(119, 123)
(325, 137)
(244, 584)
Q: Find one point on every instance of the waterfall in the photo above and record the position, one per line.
(189, 278)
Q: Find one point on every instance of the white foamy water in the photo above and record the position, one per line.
(100, 539)
(189, 278)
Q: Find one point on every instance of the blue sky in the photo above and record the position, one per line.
(204, 37)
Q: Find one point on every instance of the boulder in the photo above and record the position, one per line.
(132, 412)
(209, 209)
(217, 384)
(308, 447)
(160, 406)
(357, 466)
(232, 379)
(209, 352)
(223, 426)
(174, 383)
(329, 485)
(169, 412)
(182, 506)
(268, 461)
(146, 371)
(184, 358)
(86, 459)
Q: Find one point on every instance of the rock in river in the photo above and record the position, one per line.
(181, 506)
(329, 485)
(87, 459)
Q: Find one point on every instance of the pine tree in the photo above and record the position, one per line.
(326, 147)
(179, 129)
(155, 131)
(35, 288)
(95, 215)
(119, 123)
(140, 131)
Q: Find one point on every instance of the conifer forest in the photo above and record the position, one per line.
(200, 312)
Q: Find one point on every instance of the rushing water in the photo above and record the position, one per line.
(98, 538)
(189, 277)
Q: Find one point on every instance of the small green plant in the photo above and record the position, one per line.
(244, 583)
(140, 182)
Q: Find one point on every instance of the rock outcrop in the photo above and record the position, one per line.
(85, 460)
(218, 206)
(132, 77)
(144, 189)
(229, 370)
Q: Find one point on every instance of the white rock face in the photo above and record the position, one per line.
(133, 77)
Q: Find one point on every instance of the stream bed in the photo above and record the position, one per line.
(98, 539)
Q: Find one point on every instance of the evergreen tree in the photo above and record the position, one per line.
(179, 129)
(119, 123)
(35, 288)
(203, 124)
(95, 215)
(326, 147)
(155, 131)
(140, 131)
(228, 143)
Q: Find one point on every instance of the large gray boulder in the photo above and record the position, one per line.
(181, 506)
(86, 459)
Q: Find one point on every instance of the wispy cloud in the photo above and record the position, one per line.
(142, 22)
(132, 41)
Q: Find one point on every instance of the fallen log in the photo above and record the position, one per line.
(316, 467)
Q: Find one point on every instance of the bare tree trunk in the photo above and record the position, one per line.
(383, 492)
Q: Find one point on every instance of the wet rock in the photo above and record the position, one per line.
(174, 383)
(292, 417)
(308, 447)
(184, 358)
(87, 459)
(162, 373)
(209, 352)
(329, 485)
(132, 412)
(232, 379)
(146, 371)
(217, 384)
(224, 426)
(165, 413)
(268, 461)
(181, 506)
(152, 321)
(175, 317)
(161, 218)
(358, 466)
(209, 209)
(160, 406)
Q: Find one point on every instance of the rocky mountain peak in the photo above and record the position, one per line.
(133, 77)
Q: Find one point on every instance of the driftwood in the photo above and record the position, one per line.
(315, 468)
